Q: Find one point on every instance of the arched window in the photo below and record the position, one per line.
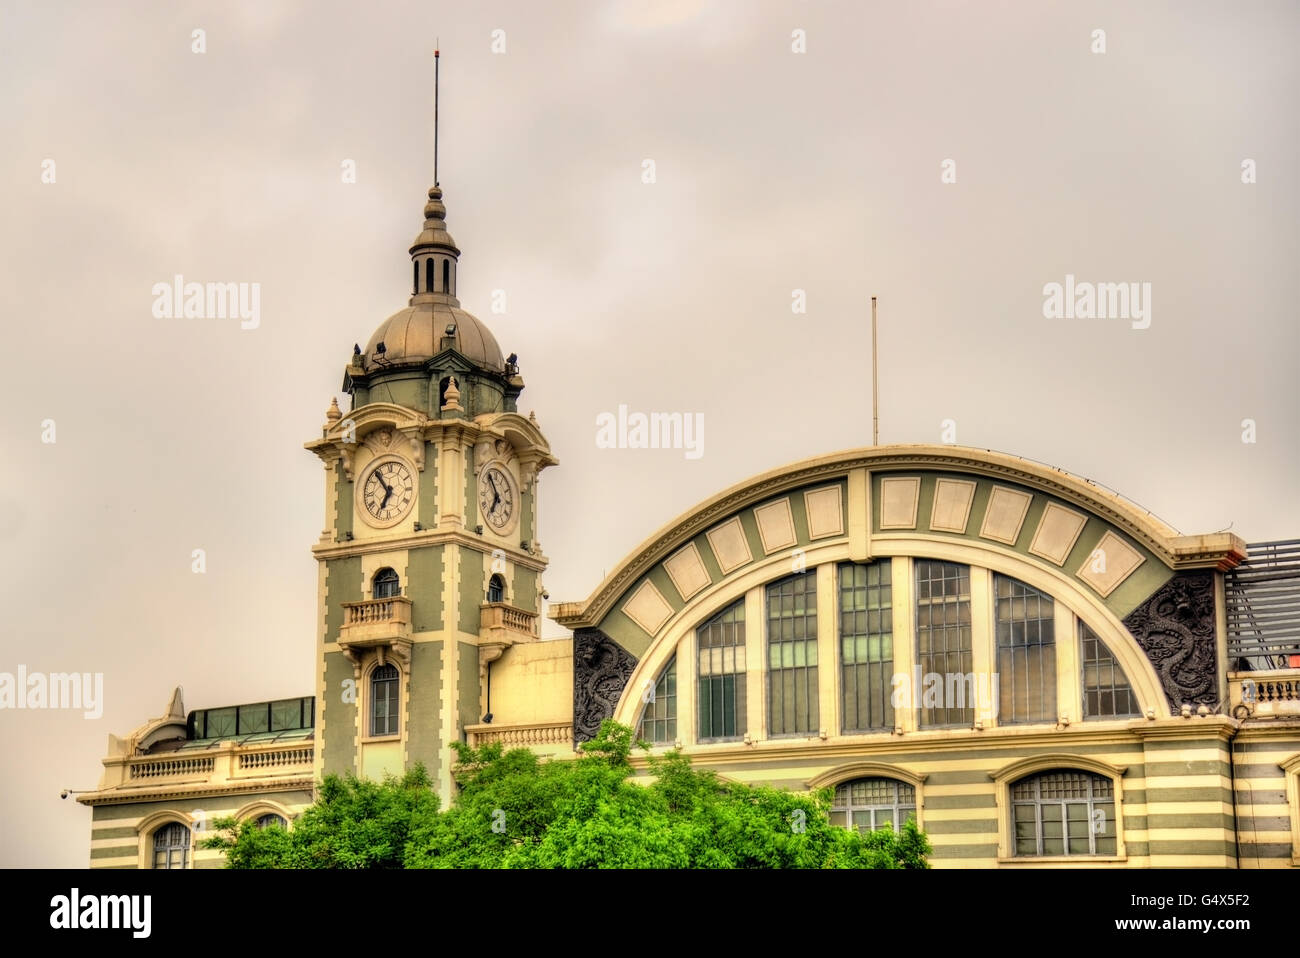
(384, 700)
(721, 670)
(792, 655)
(415, 276)
(1106, 689)
(428, 275)
(171, 846)
(446, 276)
(870, 803)
(867, 646)
(271, 819)
(658, 724)
(1063, 812)
(943, 640)
(386, 585)
(496, 589)
(1026, 647)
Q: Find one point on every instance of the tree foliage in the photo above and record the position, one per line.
(517, 811)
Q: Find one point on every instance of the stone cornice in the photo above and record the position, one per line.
(160, 793)
(1218, 550)
(1194, 726)
(427, 537)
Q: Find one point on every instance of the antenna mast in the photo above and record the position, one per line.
(435, 112)
(875, 381)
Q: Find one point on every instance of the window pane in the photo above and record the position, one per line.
(792, 655)
(1106, 689)
(221, 722)
(1026, 639)
(943, 640)
(873, 803)
(1064, 812)
(658, 723)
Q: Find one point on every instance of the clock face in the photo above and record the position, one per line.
(387, 492)
(496, 498)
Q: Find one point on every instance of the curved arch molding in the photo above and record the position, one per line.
(905, 500)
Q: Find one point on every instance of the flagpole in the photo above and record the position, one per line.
(435, 112)
(875, 381)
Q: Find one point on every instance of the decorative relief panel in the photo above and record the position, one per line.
(898, 501)
(1175, 628)
(775, 525)
(647, 607)
(1058, 530)
(952, 500)
(686, 569)
(601, 670)
(1005, 514)
(825, 512)
(730, 545)
(1111, 562)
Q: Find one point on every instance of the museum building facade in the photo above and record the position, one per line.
(1038, 671)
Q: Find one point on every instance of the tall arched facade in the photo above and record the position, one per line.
(1009, 653)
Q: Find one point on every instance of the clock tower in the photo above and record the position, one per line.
(429, 564)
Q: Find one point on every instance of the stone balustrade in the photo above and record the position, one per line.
(540, 734)
(1264, 694)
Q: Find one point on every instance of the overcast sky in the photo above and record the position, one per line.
(774, 171)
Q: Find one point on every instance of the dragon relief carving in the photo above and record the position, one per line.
(1175, 628)
(601, 670)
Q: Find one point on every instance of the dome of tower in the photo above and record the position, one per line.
(434, 321)
(419, 332)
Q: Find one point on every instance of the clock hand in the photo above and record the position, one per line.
(388, 490)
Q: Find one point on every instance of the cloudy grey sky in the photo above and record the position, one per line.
(775, 171)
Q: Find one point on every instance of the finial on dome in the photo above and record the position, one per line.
(333, 415)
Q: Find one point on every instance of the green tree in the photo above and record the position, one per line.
(354, 823)
(517, 811)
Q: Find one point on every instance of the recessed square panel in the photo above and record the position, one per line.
(1109, 564)
(730, 545)
(951, 510)
(686, 569)
(1005, 514)
(825, 512)
(775, 526)
(898, 499)
(1057, 531)
(647, 607)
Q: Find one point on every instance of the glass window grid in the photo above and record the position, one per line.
(1025, 625)
(943, 634)
(270, 819)
(871, 803)
(1053, 814)
(384, 700)
(658, 724)
(1106, 689)
(279, 716)
(866, 646)
(171, 846)
(720, 667)
(792, 655)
